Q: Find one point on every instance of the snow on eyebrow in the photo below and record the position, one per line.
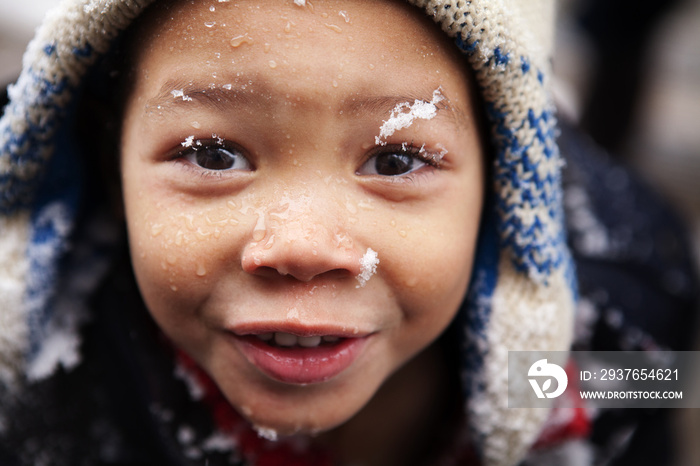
(368, 267)
(179, 93)
(400, 119)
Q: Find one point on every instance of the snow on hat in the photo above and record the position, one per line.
(522, 293)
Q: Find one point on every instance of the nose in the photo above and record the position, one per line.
(303, 248)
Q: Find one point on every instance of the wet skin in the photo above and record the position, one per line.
(253, 186)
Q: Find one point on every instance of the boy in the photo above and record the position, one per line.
(323, 243)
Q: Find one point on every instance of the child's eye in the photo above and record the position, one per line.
(215, 155)
(394, 161)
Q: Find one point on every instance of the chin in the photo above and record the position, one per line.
(301, 410)
(274, 425)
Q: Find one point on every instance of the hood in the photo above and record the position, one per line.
(522, 292)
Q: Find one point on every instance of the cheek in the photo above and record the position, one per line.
(178, 249)
(429, 259)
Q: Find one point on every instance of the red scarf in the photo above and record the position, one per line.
(564, 424)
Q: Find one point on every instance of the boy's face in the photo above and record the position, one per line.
(256, 195)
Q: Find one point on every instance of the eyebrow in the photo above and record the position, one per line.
(385, 105)
(177, 95)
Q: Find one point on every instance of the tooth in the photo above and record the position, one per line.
(266, 336)
(309, 342)
(285, 339)
(330, 338)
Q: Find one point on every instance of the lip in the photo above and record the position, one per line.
(298, 365)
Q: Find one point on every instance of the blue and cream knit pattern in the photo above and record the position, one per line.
(40, 180)
(522, 293)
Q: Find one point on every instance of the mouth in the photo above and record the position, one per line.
(304, 357)
(288, 340)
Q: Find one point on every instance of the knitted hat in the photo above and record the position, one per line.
(522, 292)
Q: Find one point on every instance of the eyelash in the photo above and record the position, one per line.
(421, 153)
(431, 159)
(192, 145)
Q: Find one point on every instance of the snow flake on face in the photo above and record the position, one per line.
(435, 156)
(266, 433)
(179, 93)
(188, 141)
(404, 114)
(368, 267)
(300, 2)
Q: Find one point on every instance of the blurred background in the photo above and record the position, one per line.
(628, 71)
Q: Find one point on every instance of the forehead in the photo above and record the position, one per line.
(196, 22)
(329, 40)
